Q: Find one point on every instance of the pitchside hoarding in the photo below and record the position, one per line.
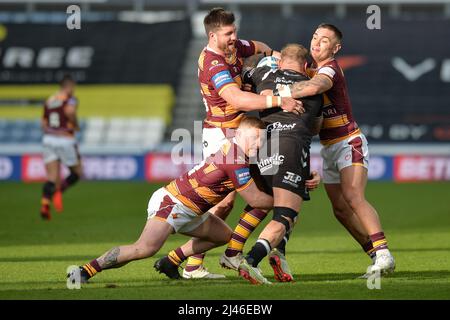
(127, 167)
(158, 167)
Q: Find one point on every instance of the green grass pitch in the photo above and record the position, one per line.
(326, 262)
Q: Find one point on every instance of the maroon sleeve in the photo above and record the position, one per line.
(245, 48)
(239, 174)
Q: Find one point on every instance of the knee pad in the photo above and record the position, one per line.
(280, 214)
(72, 178)
(49, 189)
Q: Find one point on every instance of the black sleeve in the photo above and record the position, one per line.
(256, 75)
(314, 104)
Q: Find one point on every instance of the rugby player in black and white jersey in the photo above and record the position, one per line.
(284, 171)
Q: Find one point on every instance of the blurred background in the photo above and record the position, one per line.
(135, 62)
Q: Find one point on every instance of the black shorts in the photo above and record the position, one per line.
(286, 166)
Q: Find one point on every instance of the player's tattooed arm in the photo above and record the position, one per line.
(318, 84)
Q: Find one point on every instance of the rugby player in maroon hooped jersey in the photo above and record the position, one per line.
(219, 74)
(182, 206)
(59, 124)
(345, 150)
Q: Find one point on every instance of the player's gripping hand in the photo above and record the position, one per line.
(313, 182)
(247, 87)
(292, 105)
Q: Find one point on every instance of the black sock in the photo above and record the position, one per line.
(258, 252)
(282, 245)
(48, 190)
(69, 181)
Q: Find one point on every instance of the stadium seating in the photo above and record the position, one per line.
(110, 116)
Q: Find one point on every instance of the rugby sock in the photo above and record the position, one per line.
(368, 248)
(48, 190)
(258, 252)
(194, 262)
(250, 219)
(282, 245)
(176, 256)
(378, 241)
(92, 268)
(69, 181)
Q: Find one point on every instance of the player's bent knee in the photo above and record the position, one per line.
(226, 236)
(142, 251)
(223, 210)
(286, 216)
(73, 178)
(223, 235)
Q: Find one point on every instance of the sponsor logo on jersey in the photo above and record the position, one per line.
(222, 78)
(268, 163)
(278, 126)
(292, 179)
(242, 175)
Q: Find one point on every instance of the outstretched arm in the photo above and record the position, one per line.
(247, 101)
(318, 84)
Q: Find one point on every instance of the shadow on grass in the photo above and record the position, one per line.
(99, 283)
(210, 254)
(404, 275)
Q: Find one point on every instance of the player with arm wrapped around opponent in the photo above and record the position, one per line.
(183, 206)
(285, 165)
(345, 150)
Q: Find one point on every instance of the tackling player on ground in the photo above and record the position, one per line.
(182, 206)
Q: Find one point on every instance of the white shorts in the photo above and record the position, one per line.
(352, 151)
(213, 139)
(164, 206)
(60, 148)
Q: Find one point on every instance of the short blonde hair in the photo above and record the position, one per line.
(251, 122)
(296, 52)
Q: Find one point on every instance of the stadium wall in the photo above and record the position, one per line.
(398, 76)
(99, 53)
(158, 167)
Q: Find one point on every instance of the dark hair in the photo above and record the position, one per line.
(66, 79)
(216, 18)
(333, 28)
